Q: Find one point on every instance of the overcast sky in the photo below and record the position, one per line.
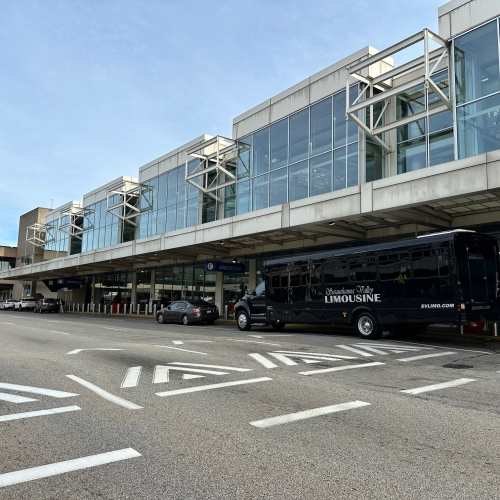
(93, 89)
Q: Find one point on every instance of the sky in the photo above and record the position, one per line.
(91, 90)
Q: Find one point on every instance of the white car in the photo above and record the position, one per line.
(8, 304)
(25, 304)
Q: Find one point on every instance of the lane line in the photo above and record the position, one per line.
(55, 469)
(444, 385)
(357, 351)
(315, 354)
(212, 366)
(132, 377)
(161, 375)
(212, 386)
(37, 390)
(179, 349)
(436, 355)
(262, 360)
(195, 370)
(105, 394)
(52, 321)
(177, 342)
(38, 413)
(117, 329)
(283, 359)
(189, 376)
(302, 415)
(340, 368)
(76, 351)
(254, 342)
(53, 331)
(13, 398)
(9, 323)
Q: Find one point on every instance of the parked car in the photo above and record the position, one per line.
(9, 304)
(25, 304)
(188, 311)
(47, 305)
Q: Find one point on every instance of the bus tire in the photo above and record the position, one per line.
(367, 327)
(278, 325)
(243, 321)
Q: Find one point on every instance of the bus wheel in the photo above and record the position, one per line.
(367, 327)
(243, 321)
(278, 325)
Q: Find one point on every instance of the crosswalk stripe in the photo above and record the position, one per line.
(263, 361)
(37, 390)
(42, 471)
(317, 358)
(231, 368)
(13, 398)
(38, 413)
(435, 355)
(282, 358)
(195, 370)
(357, 351)
(371, 349)
(161, 375)
(314, 354)
(212, 386)
(302, 415)
(340, 368)
(132, 377)
(397, 346)
(444, 385)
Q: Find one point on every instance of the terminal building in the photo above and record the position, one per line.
(361, 152)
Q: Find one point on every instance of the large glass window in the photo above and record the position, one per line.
(298, 181)
(279, 144)
(260, 192)
(278, 192)
(321, 174)
(243, 197)
(299, 135)
(244, 157)
(261, 151)
(321, 127)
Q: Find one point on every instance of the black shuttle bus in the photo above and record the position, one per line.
(402, 286)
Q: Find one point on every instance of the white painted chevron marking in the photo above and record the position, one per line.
(230, 368)
(76, 351)
(316, 355)
(444, 385)
(283, 358)
(189, 376)
(177, 342)
(262, 360)
(37, 390)
(161, 375)
(13, 398)
(132, 377)
(357, 351)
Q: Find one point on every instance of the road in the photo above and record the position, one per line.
(123, 408)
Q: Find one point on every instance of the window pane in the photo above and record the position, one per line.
(411, 155)
(363, 269)
(143, 225)
(243, 197)
(181, 183)
(230, 206)
(193, 191)
(321, 127)
(339, 120)
(394, 267)
(316, 274)
(440, 121)
(172, 187)
(244, 157)
(441, 148)
(162, 191)
(154, 193)
(321, 174)
(479, 127)
(261, 192)
(299, 136)
(181, 216)
(279, 185)
(352, 164)
(375, 162)
(339, 169)
(192, 214)
(298, 181)
(335, 272)
(261, 151)
(430, 263)
(476, 63)
(352, 128)
(279, 144)
(208, 210)
(171, 217)
(161, 221)
(153, 216)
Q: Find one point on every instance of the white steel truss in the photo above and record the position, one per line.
(75, 224)
(213, 155)
(130, 196)
(36, 234)
(430, 61)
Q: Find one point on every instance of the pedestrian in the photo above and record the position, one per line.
(63, 303)
(101, 304)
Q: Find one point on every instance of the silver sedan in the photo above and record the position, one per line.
(185, 312)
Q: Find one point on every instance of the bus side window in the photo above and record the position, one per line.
(284, 278)
(335, 272)
(363, 269)
(275, 281)
(295, 276)
(305, 276)
(430, 263)
(316, 274)
(394, 266)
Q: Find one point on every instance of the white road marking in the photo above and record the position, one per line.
(387, 346)
(55, 469)
(232, 368)
(117, 329)
(317, 358)
(444, 385)
(212, 386)
(39, 413)
(271, 335)
(13, 398)
(302, 415)
(179, 349)
(53, 331)
(340, 368)
(76, 351)
(283, 358)
(371, 349)
(52, 321)
(262, 360)
(312, 361)
(132, 377)
(435, 355)
(195, 370)
(105, 394)
(439, 347)
(8, 323)
(189, 376)
(37, 390)
(161, 375)
(357, 351)
(177, 342)
(317, 354)
(254, 342)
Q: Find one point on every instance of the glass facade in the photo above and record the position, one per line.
(477, 88)
(100, 228)
(311, 152)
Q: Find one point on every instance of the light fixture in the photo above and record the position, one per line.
(331, 223)
(221, 242)
(234, 260)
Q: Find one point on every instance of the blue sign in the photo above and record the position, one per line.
(224, 267)
(69, 281)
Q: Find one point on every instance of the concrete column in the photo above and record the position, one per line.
(252, 274)
(92, 296)
(219, 292)
(152, 295)
(134, 287)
